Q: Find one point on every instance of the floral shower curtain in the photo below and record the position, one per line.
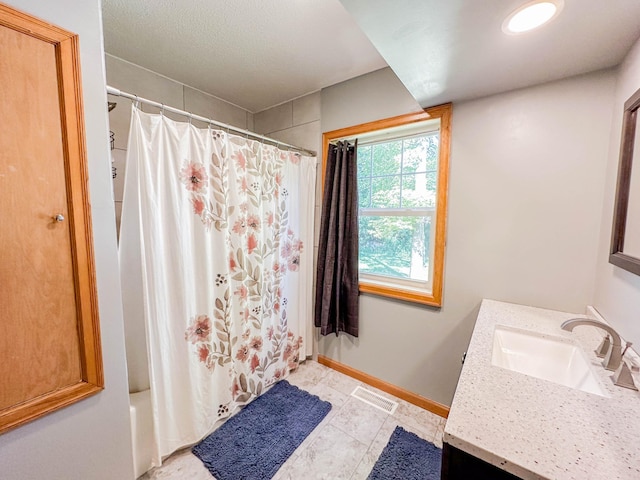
(225, 227)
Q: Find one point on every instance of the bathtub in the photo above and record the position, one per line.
(141, 430)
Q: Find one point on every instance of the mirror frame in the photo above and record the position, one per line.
(629, 122)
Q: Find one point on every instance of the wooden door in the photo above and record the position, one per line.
(49, 338)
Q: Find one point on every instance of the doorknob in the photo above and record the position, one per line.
(59, 218)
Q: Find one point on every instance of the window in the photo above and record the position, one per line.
(402, 187)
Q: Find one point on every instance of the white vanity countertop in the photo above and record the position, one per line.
(537, 429)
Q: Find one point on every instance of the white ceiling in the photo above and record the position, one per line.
(259, 53)
(455, 49)
(253, 53)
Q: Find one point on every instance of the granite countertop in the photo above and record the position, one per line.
(534, 428)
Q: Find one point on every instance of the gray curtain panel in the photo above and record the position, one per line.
(336, 307)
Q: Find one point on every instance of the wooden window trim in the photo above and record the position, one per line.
(442, 112)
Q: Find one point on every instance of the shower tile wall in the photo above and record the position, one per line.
(145, 83)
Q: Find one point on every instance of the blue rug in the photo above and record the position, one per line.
(408, 457)
(254, 443)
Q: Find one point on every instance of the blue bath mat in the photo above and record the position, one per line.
(254, 443)
(409, 457)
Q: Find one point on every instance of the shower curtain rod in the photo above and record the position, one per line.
(247, 133)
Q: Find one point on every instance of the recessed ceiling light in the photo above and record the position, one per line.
(531, 15)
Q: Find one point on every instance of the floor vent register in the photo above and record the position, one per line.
(375, 400)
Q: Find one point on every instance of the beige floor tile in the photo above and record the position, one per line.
(333, 455)
(309, 368)
(375, 449)
(336, 398)
(437, 440)
(359, 420)
(379, 442)
(418, 418)
(345, 445)
(180, 465)
(340, 382)
(308, 374)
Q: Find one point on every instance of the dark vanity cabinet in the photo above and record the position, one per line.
(459, 465)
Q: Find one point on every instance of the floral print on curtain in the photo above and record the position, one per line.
(252, 220)
(219, 230)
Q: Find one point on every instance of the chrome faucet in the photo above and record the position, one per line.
(613, 358)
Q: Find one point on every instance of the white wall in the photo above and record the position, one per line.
(526, 186)
(366, 98)
(617, 292)
(90, 439)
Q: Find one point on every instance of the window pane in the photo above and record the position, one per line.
(385, 192)
(395, 246)
(387, 158)
(432, 181)
(415, 155)
(432, 152)
(364, 161)
(419, 190)
(420, 154)
(364, 192)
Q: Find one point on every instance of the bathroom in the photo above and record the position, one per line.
(532, 185)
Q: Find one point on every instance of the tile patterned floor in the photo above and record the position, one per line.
(345, 445)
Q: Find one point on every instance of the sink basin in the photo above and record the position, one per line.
(554, 359)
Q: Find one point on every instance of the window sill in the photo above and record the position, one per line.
(433, 299)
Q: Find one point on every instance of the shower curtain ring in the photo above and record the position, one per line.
(137, 104)
(162, 110)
